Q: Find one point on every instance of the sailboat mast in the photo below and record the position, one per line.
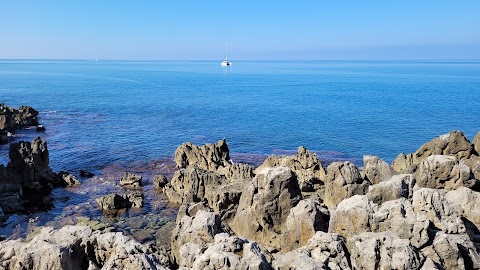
(226, 51)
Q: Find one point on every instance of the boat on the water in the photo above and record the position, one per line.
(226, 63)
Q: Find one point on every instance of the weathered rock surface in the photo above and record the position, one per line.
(160, 181)
(453, 251)
(353, 216)
(224, 199)
(343, 181)
(306, 218)
(196, 231)
(451, 144)
(78, 247)
(376, 170)
(116, 201)
(208, 157)
(398, 216)
(383, 250)
(229, 252)
(323, 251)
(131, 180)
(432, 204)
(399, 186)
(446, 172)
(306, 165)
(265, 205)
(188, 185)
(465, 203)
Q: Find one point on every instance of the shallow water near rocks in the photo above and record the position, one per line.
(109, 117)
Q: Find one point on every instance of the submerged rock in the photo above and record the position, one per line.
(86, 174)
(116, 201)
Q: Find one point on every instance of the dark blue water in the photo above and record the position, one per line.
(102, 112)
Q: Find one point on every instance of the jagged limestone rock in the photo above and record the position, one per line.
(343, 181)
(395, 188)
(376, 170)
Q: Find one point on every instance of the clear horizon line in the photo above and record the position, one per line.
(260, 60)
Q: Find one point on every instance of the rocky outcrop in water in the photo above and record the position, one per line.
(27, 172)
(12, 119)
(116, 201)
(78, 247)
(131, 180)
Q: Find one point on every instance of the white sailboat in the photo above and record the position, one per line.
(226, 63)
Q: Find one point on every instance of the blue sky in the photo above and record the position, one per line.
(257, 30)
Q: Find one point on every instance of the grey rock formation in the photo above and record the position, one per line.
(196, 231)
(343, 181)
(27, 171)
(208, 157)
(229, 252)
(116, 201)
(452, 144)
(353, 216)
(383, 250)
(78, 247)
(323, 251)
(305, 165)
(474, 164)
(375, 170)
(160, 181)
(188, 185)
(224, 199)
(398, 216)
(453, 251)
(306, 218)
(432, 204)
(446, 172)
(395, 188)
(466, 203)
(265, 205)
(131, 180)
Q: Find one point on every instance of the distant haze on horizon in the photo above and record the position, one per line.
(254, 30)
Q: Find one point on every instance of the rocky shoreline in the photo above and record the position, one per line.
(291, 212)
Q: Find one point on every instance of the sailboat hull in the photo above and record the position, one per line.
(225, 63)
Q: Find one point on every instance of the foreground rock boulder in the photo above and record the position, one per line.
(446, 172)
(343, 181)
(78, 247)
(451, 144)
(265, 205)
(323, 251)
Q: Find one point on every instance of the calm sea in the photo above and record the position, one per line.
(102, 112)
(112, 116)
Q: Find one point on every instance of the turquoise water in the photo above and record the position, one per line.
(105, 112)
